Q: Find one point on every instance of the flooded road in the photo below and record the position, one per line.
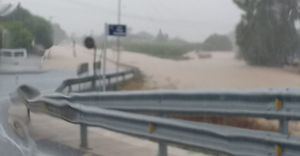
(23, 144)
(222, 71)
(56, 137)
(15, 138)
(46, 81)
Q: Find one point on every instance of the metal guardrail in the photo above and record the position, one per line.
(283, 106)
(232, 141)
(90, 83)
(276, 105)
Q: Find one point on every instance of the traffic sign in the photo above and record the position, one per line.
(117, 30)
(89, 43)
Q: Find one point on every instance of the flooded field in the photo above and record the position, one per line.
(166, 52)
(221, 71)
(61, 65)
(62, 57)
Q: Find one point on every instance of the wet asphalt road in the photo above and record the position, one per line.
(10, 143)
(46, 81)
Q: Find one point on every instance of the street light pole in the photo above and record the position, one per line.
(118, 38)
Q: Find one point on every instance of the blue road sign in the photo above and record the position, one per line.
(117, 30)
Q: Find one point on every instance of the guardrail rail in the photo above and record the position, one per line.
(116, 111)
(92, 83)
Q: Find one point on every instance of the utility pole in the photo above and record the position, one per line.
(118, 37)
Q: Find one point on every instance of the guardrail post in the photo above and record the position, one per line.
(79, 87)
(83, 136)
(28, 113)
(283, 129)
(123, 76)
(284, 126)
(283, 122)
(70, 89)
(162, 149)
(162, 146)
(94, 84)
(109, 83)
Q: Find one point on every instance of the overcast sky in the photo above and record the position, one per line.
(193, 20)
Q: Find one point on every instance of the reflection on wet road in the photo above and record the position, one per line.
(10, 142)
(44, 81)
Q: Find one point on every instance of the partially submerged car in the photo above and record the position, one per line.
(12, 56)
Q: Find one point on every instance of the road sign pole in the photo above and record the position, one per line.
(94, 68)
(118, 54)
(89, 43)
(104, 57)
(119, 11)
(118, 37)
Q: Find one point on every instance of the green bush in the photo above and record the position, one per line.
(40, 28)
(217, 43)
(159, 49)
(18, 36)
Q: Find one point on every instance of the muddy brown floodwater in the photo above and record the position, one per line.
(221, 71)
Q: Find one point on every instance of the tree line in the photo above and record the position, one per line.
(162, 45)
(267, 33)
(22, 29)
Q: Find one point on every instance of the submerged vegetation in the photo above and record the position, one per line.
(163, 46)
(164, 49)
